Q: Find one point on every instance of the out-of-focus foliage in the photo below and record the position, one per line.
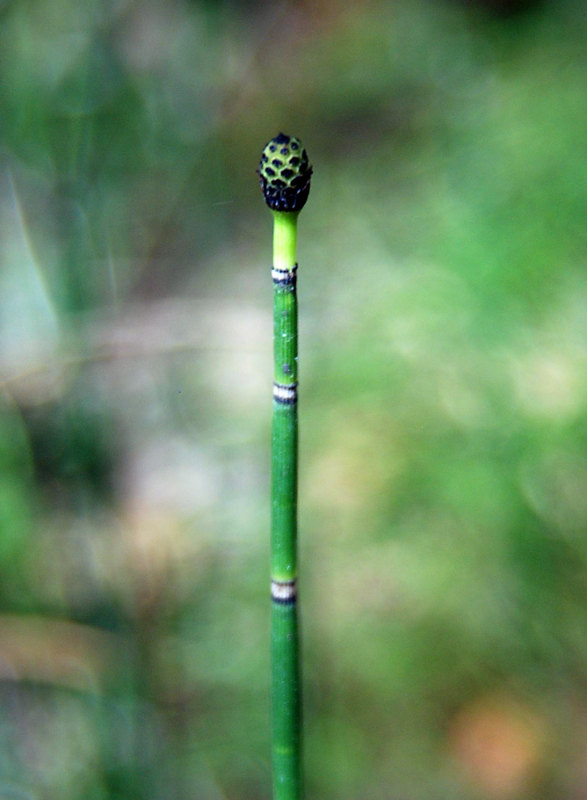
(443, 473)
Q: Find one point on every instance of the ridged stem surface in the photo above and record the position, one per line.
(286, 699)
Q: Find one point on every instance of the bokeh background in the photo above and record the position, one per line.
(443, 491)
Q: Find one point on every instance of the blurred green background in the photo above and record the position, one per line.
(443, 491)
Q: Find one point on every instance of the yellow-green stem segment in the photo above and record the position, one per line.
(285, 234)
(286, 694)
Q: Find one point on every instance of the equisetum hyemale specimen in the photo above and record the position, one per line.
(284, 174)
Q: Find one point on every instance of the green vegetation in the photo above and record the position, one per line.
(285, 173)
(442, 429)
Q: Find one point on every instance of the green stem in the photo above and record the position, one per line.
(286, 699)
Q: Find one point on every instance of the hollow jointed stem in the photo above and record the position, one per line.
(284, 616)
(284, 174)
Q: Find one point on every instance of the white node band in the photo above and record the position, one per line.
(284, 591)
(285, 393)
(283, 277)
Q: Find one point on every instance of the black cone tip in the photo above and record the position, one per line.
(285, 173)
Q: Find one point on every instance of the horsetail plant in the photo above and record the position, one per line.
(284, 174)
